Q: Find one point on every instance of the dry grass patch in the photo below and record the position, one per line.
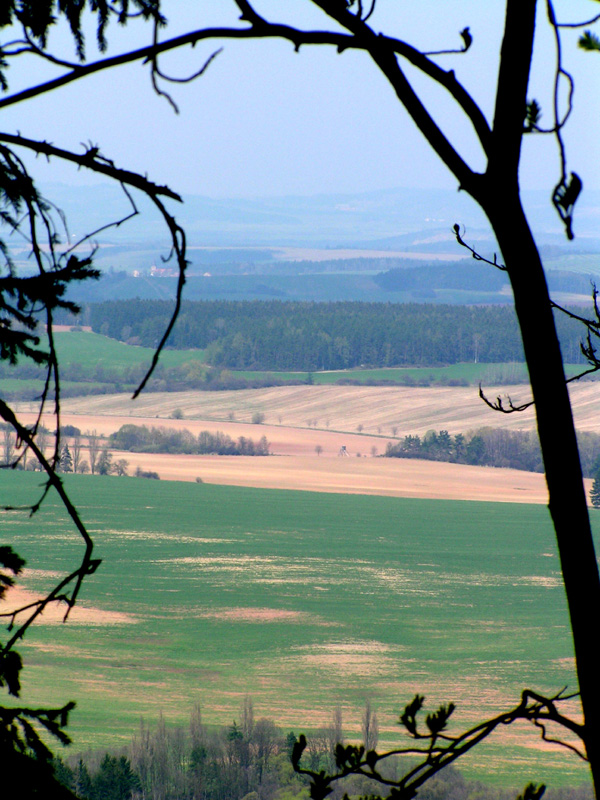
(54, 614)
(260, 615)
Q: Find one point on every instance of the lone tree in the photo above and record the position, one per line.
(350, 26)
(595, 492)
(66, 460)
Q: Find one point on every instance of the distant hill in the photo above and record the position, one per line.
(278, 247)
(326, 220)
(463, 282)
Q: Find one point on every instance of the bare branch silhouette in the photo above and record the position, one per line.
(440, 748)
(474, 253)
(500, 406)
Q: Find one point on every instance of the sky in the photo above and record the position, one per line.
(265, 120)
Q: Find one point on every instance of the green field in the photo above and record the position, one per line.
(94, 364)
(82, 347)
(304, 601)
(34, 387)
(461, 373)
(75, 347)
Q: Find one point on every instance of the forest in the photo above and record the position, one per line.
(276, 335)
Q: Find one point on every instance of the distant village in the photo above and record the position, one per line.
(160, 272)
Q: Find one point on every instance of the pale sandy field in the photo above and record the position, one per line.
(334, 413)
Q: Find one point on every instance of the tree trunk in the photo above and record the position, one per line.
(567, 498)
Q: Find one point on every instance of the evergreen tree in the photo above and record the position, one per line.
(66, 460)
(63, 773)
(83, 781)
(595, 491)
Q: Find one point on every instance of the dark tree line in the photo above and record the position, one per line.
(276, 335)
(467, 276)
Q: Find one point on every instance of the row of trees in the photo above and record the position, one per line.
(492, 447)
(275, 335)
(197, 763)
(248, 759)
(102, 462)
(98, 379)
(491, 180)
(142, 439)
(196, 375)
(467, 276)
(70, 456)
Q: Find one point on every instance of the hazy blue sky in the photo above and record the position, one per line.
(265, 120)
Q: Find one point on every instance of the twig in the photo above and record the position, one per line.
(474, 253)
(499, 404)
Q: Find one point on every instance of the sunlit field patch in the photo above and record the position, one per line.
(304, 601)
(260, 615)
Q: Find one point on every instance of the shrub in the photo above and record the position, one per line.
(142, 473)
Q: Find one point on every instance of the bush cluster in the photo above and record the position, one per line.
(490, 447)
(142, 439)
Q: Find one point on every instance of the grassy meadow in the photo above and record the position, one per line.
(81, 347)
(466, 373)
(302, 600)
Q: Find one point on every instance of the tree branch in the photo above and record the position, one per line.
(499, 404)
(93, 160)
(262, 29)
(442, 750)
(511, 95)
(474, 253)
(87, 566)
(379, 46)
